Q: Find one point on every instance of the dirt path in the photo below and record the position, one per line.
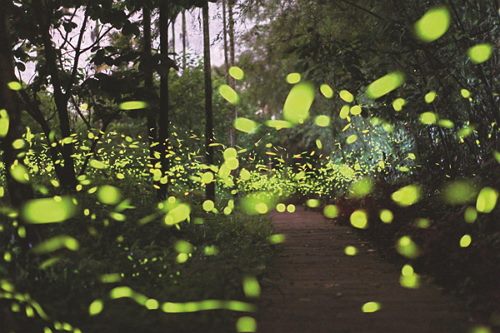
(314, 287)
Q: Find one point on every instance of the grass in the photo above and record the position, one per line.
(146, 258)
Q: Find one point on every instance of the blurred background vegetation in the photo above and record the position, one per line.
(69, 68)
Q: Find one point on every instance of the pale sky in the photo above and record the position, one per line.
(194, 41)
(195, 33)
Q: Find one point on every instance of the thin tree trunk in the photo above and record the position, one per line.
(224, 30)
(163, 125)
(18, 192)
(226, 62)
(184, 41)
(209, 127)
(33, 109)
(148, 79)
(232, 47)
(232, 83)
(174, 55)
(68, 176)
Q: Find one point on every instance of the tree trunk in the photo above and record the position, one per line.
(224, 31)
(209, 127)
(163, 124)
(184, 41)
(232, 83)
(174, 55)
(226, 64)
(68, 175)
(148, 80)
(18, 192)
(232, 48)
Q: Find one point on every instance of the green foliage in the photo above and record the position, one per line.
(350, 46)
(319, 120)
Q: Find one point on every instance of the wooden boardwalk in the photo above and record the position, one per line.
(313, 287)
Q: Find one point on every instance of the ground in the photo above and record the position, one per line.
(312, 286)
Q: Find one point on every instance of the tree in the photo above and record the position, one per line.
(52, 36)
(174, 50)
(184, 41)
(163, 125)
(19, 192)
(225, 39)
(349, 44)
(209, 126)
(148, 79)
(232, 59)
(168, 12)
(45, 16)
